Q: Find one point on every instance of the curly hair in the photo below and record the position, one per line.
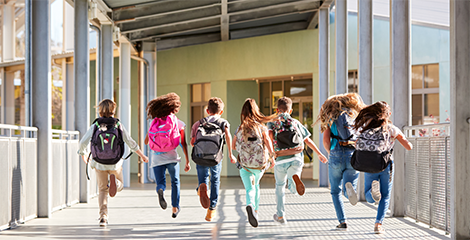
(163, 106)
(251, 119)
(334, 106)
(373, 116)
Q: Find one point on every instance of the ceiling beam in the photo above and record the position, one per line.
(224, 24)
(187, 41)
(178, 33)
(266, 30)
(313, 21)
(173, 24)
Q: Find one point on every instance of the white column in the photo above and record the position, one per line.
(69, 97)
(125, 100)
(68, 30)
(148, 90)
(81, 77)
(366, 57)
(324, 72)
(9, 31)
(42, 101)
(341, 30)
(107, 61)
(9, 99)
(400, 25)
(460, 113)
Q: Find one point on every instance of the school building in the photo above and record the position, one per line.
(59, 58)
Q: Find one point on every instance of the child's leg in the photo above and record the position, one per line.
(102, 179)
(294, 169)
(119, 178)
(174, 170)
(349, 175)
(249, 187)
(280, 174)
(202, 175)
(258, 176)
(386, 183)
(368, 178)
(160, 178)
(215, 184)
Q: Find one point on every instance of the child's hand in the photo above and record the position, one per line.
(187, 167)
(83, 158)
(322, 158)
(272, 164)
(233, 159)
(145, 159)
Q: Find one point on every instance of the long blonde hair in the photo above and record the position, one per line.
(334, 106)
(251, 119)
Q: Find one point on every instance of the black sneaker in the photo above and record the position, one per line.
(103, 222)
(342, 227)
(174, 215)
(251, 216)
(161, 199)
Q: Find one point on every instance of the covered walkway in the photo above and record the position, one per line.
(135, 213)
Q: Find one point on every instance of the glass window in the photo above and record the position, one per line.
(200, 94)
(431, 108)
(431, 76)
(353, 82)
(425, 98)
(417, 109)
(417, 77)
(265, 102)
(298, 88)
(196, 93)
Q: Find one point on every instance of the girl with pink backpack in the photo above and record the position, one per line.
(166, 133)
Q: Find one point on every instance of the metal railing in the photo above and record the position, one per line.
(18, 174)
(427, 175)
(65, 169)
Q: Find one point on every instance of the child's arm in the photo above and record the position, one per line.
(146, 141)
(312, 145)
(84, 143)
(327, 140)
(285, 152)
(234, 142)
(404, 142)
(228, 138)
(192, 141)
(141, 155)
(269, 145)
(187, 167)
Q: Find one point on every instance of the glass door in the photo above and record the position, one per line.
(302, 110)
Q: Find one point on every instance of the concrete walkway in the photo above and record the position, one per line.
(135, 213)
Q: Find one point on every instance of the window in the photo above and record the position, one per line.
(200, 95)
(353, 82)
(425, 90)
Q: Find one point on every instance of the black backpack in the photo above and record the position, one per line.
(107, 144)
(209, 144)
(373, 151)
(286, 134)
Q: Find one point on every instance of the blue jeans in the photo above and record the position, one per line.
(386, 182)
(340, 172)
(203, 177)
(160, 178)
(252, 187)
(281, 173)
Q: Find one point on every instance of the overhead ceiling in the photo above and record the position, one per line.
(177, 23)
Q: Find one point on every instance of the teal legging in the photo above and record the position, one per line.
(252, 189)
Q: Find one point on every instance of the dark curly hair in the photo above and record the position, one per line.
(163, 106)
(373, 116)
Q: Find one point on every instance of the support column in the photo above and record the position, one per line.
(107, 62)
(9, 31)
(69, 97)
(460, 113)
(68, 32)
(27, 64)
(341, 29)
(42, 101)
(324, 72)
(149, 54)
(366, 60)
(82, 83)
(125, 101)
(400, 25)
(9, 99)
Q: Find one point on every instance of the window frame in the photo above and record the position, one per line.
(423, 91)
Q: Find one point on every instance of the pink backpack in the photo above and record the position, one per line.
(164, 135)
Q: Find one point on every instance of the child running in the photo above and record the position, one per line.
(288, 132)
(107, 137)
(208, 136)
(254, 150)
(165, 134)
(337, 116)
(374, 121)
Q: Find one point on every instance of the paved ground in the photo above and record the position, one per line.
(135, 214)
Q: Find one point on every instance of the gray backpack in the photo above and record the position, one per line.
(209, 144)
(252, 153)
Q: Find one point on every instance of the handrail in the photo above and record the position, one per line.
(21, 128)
(64, 134)
(431, 130)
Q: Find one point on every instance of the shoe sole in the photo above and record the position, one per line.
(112, 185)
(299, 185)
(203, 198)
(352, 195)
(174, 215)
(209, 219)
(251, 217)
(376, 195)
(161, 199)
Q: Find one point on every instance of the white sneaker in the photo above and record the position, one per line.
(375, 191)
(281, 221)
(352, 195)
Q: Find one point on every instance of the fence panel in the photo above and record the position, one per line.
(428, 175)
(5, 185)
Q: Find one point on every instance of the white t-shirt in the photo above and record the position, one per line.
(158, 158)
